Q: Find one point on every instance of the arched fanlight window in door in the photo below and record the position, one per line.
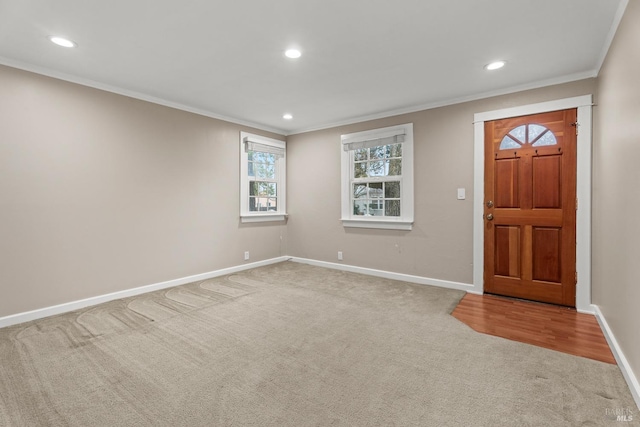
(530, 134)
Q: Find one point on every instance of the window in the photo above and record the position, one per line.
(377, 178)
(531, 134)
(263, 178)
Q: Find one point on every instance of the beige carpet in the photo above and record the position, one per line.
(292, 345)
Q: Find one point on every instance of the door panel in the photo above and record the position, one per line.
(547, 254)
(507, 186)
(530, 188)
(547, 182)
(507, 255)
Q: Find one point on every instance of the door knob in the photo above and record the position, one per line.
(490, 217)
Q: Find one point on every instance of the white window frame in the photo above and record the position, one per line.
(281, 178)
(348, 141)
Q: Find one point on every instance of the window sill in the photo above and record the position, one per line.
(263, 217)
(379, 224)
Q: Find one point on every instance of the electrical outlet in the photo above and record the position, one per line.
(339, 255)
(246, 256)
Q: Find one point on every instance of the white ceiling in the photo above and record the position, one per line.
(361, 58)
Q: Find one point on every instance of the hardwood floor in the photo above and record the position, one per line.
(554, 327)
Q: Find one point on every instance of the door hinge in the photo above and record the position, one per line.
(576, 125)
(576, 277)
(576, 203)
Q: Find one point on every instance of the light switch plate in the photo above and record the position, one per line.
(461, 194)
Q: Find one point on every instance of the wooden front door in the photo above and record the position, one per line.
(530, 207)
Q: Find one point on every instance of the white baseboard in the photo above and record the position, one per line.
(75, 305)
(386, 274)
(591, 309)
(623, 363)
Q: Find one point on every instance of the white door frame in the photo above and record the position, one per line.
(583, 190)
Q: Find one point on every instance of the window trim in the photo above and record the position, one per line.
(405, 221)
(247, 216)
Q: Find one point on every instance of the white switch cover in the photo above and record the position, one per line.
(461, 194)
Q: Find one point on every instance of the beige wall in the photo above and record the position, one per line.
(616, 195)
(101, 193)
(440, 246)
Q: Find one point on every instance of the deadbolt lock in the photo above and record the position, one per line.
(490, 204)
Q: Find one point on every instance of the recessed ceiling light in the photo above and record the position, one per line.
(287, 116)
(494, 65)
(293, 53)
(61, 41)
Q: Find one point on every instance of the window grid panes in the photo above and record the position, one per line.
(377, 199)
(263, 186)
(529, 134)
(383, 160)
(373, 193)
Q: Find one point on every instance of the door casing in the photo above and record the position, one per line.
(583, 191)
